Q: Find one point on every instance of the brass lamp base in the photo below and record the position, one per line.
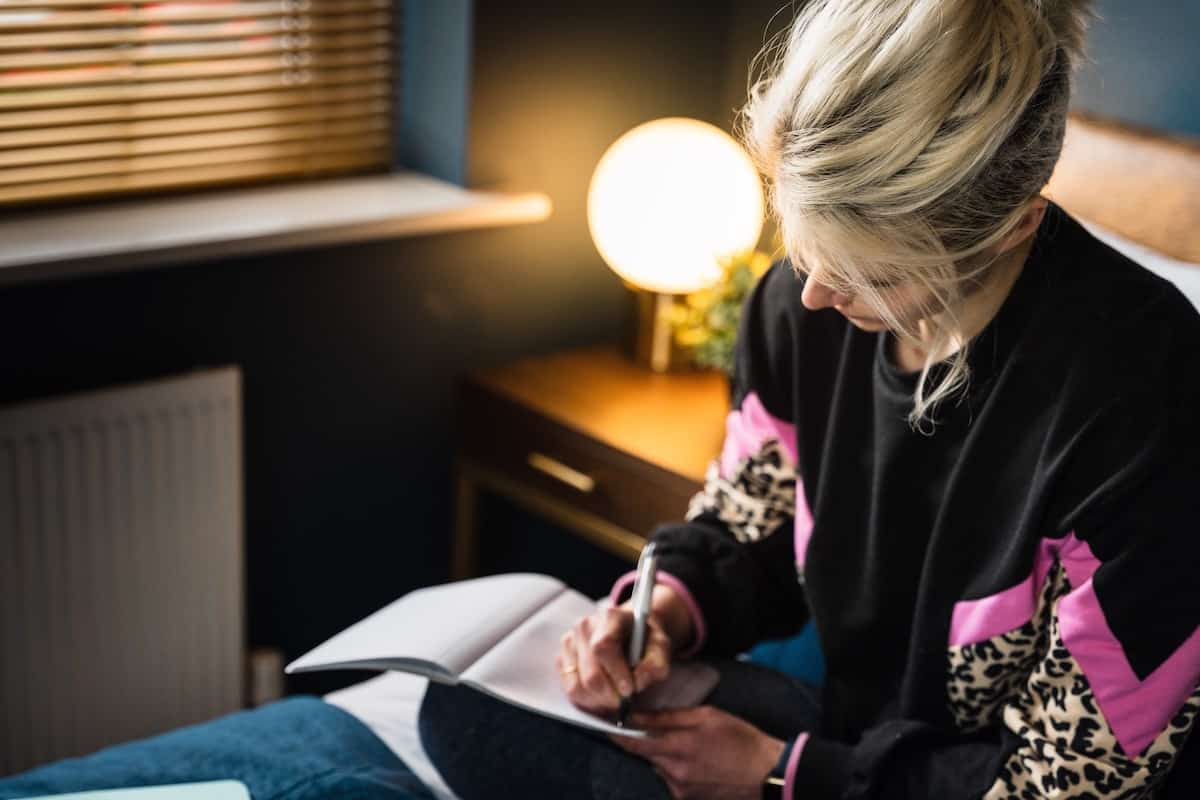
(653, 345)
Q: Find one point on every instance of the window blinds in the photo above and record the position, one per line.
(99, 97)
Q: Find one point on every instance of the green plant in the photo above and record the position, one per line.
(706, 323)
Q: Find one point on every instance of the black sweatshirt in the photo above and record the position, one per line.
(1007, 607)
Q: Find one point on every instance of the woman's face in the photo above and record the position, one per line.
(907, 301)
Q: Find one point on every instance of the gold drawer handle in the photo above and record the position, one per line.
(560, 471)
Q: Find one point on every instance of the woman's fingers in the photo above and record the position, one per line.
(568, 669)
(677, 791)
(592, 660)
(665, 761)
(670, 744)
(656, 660)
(599, 689)
(609, 643)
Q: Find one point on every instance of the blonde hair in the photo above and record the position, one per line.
(902, 139)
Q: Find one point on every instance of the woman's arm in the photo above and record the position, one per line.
(731, 563)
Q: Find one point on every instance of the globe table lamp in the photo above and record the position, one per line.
(667, 200)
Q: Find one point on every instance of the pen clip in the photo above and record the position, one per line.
(643, 585)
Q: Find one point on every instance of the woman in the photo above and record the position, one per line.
(963, 442)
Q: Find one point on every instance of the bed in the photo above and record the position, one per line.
(1136, 189)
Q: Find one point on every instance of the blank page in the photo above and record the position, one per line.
(521, 668)
(450, 625)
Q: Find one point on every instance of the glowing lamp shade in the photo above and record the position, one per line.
(668, 199)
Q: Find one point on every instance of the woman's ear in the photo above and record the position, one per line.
(1031, 218)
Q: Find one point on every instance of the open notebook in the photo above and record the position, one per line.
(498, 635)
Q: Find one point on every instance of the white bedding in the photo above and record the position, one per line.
(388, 705)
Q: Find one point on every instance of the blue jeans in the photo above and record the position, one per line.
(486, 748)
(301, 748)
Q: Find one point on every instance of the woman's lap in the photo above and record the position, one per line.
(486, 748)
(301, 748)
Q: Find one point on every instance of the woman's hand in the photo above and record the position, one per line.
(705, 753)
(592, 661)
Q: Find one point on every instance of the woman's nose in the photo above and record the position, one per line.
(817, 295)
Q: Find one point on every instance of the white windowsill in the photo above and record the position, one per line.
(134, 234)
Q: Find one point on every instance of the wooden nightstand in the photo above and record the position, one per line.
(588, 440)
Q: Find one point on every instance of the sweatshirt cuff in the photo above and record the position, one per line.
(793, 751)
(699, 630)
(818, 769)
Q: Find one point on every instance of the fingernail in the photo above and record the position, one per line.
(625, 688)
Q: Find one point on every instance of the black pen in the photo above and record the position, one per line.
(643, 589)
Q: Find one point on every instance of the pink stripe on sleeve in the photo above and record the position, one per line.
(979, 620)
(747, 428)
(699, 629)
(789, 774)
(1077, 559)
(975, 621)
(1138, 711)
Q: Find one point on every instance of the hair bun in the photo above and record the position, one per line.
(1068, 19)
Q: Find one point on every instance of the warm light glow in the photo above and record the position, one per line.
(668, 199)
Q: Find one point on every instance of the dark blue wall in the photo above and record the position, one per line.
(1144, 64)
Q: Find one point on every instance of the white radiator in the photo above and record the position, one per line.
(121, 577)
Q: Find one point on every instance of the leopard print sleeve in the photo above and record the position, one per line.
(1088, 726)
(751, 488)
(1101, 685)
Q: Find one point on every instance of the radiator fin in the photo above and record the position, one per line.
(121, 565)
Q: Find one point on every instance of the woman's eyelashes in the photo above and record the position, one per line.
(877, 284)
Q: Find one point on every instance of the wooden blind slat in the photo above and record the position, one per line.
(171, 13)
(242, 65)
(132, 92)
(124, 131)
(145, 163)
(100, 97)
(142, 110)
(172, 8)
(194, 32)
(277, 46)
(320, 164)
(167, 144)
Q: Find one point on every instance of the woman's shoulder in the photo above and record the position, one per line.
(1108, 319)
(778, 338)
(1112, 367)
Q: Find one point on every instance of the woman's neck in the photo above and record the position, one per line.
(979, 309)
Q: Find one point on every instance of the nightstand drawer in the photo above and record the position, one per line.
(546, 456)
